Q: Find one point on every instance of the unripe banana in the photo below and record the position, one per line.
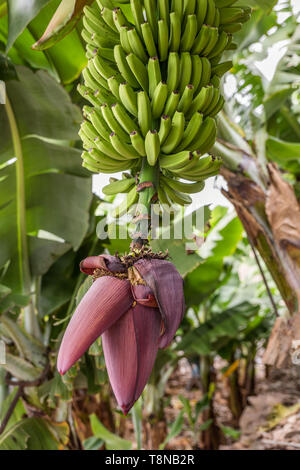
(196, 72)
(130, 199)
(128, 98)
(125, 71)
(175, 196)
(154, 74)
(185, 70)
(119, 186)
(152, 147)
(201, 10)
(113, 123)
(138, 143)
(99, 124)
(137, 13)
(124, 149)
(150, 7)
(122, 117)
(164, 10)
(172, 103)
(206, 136)
(137, 45)
(139, 70)
(163, 40)
(176, 161)
(114, 85)
(186, 99)
(189, 34)
(144, 113)
(210, 14)
(124, 40)
(165, 128)
(173, 71)
(186, 188)
(191, 131)
(124, 82)
(176, 133)
(149, 40)
(159, 99)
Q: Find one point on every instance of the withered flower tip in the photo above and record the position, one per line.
(136, 310)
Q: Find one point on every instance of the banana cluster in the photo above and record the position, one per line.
(153, 81)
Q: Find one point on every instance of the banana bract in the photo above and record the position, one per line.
(153, 81)
(137, 311)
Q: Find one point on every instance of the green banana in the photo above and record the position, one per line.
(191, 131)
(119, 186)
(139, 70)
(124, 69)
(183, 187)
(172, 103)
(175, 196)
(152, 147)
(137, 13)
(149, 40)
(113, 85)
(144, 113)
(186, 99)
(154, 74)
(165, 128)
(185, 70)
(159, 99)
(173, 71)
(150, 8)
(122, 148)
(138, 143)
(128, 98)
(176, 161)
(163, 40)
(176, 133)
(155, 64)
(136, 45)
(189, 34)
(130, 200)
(123, 118)
(113, 123)
(175, 32)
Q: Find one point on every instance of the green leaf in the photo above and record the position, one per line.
(51, 173)
(174, 431)
(112, 442)
(63, 21)
(20, 13)
(20, 368)
(230, 432)
(206, 425)
(92, 443)
(284, 153)
(28, 347)
(18, 411)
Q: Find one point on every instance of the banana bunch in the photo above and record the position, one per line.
(153, 82)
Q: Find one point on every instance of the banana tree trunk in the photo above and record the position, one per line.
(267, 207)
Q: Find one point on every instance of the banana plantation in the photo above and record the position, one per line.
(149, 226)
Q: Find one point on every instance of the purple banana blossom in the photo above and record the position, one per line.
(135, 316)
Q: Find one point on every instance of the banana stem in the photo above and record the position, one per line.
(148, 180)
